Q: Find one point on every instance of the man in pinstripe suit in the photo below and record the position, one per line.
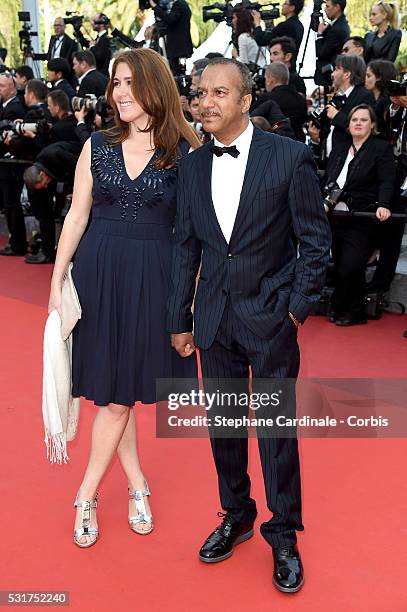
(248, 202)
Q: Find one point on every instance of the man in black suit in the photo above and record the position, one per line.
(11, 179)
(178, 22)
(348, 79)
(248, 202)
(293, 105)
(101, 46)
(61, 45)
(90, 80)
(330, 39)
(283, 50)
(58, 71)
(291, 27)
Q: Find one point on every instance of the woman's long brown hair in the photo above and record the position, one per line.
(154, 88)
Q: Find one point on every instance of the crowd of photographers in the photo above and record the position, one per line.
(355, 121)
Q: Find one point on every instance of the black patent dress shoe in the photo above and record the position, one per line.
(220, 544)
(39, 258)
(9, 252)
(288, 574)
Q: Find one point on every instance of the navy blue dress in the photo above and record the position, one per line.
(122, 274)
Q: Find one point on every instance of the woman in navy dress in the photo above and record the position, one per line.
(127, 177)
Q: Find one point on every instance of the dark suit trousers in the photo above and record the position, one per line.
(11, 184)
(390, 239)
(234, 350)
(353, 242)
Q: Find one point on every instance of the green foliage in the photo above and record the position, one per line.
(9, 27)
(129, 19)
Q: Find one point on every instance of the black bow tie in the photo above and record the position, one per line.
(221, 150)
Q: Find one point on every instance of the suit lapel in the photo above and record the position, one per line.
(259, 153)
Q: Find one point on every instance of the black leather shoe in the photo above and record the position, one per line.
(348, 320)
(9, 252)
(288, 575)
(39, 258)
(220, 544)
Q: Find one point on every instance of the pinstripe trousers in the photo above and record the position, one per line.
(225, 367)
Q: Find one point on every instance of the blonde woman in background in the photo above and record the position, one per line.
(384, 42)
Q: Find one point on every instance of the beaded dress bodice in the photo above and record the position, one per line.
(149, 198)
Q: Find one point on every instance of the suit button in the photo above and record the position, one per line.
(225, 292)
(230, 256)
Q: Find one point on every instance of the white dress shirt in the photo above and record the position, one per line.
(329, 138)
(227, 180)
(56, 50)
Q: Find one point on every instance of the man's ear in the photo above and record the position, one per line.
(247, 100)
(290, 56)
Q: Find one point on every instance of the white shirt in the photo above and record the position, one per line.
(329, 139)
(341, 180)
(227, 180)
(56, 51)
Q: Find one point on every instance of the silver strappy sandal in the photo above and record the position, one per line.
(85, 529)
(141, 518)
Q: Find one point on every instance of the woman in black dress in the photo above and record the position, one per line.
(127, 176)
(384, 42)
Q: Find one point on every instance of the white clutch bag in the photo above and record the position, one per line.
(70, 306)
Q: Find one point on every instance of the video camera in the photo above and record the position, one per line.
(224, 12)
(319, 116)
(25, 33)
(396, 88)
(75, 20)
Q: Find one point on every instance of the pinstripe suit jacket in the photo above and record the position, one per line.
(280, 207)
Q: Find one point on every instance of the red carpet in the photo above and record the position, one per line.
(355, 498)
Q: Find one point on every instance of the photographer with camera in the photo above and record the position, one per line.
(11, 181)
(292, 104)
(365, 175)
(392, 236)
(101, 47)
(58, 71)
(64, 122)
(178, 31)
(27, 143)
(49, 180)
(331, 130)
(90, 80)
(330, 37)
(291, 27)
(245, 48)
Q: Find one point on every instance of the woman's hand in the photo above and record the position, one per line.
(383, 213)
(55, 298)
